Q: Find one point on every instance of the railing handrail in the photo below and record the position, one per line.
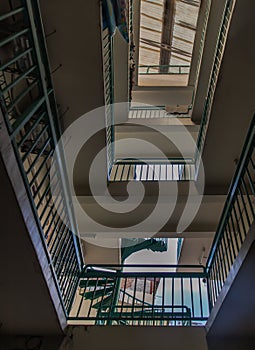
(35, 9)
(172, 296)
(154, 161)
(181, 69)
(165, 65)
(117, 269)
(34, 133)
(156, 108)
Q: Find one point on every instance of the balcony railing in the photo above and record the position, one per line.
(236, 220)
(163, 69)
(107, 51)
(30, 115)
(147, 112)
(152, 170)
(141, 295)
(152, 112)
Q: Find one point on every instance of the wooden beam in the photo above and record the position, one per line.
(190, 2)
(150, 29)
(167, 33)
(151, 17)
(165, 47)
(180, 58)
(182, 39)
(186, 25)
(148, 48)
(153, 3)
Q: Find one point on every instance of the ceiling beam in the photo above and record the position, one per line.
(186, 25)
(165, 47)
(167, 33)
(153, 3)
(150, 29)
(191, 2)
(151, 17)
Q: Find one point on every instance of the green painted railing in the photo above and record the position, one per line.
(237, 217)
(29, 110)
(152, 170)
(107, 51)
(160, 295)
(152, 112)
(163, 69)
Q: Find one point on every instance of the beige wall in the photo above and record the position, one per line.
(136, 338)
(161, 96)
(121, 76)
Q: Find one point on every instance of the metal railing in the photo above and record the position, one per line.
(147, 112)
(236, 220)
(151, 112)
(163, 69)
(152, 170)
(29, 110)
(107, 52)
(141, 295)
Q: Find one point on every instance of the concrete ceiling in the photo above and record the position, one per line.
(118, 217)
(195, 251)
(144, 141)
(96, 254)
